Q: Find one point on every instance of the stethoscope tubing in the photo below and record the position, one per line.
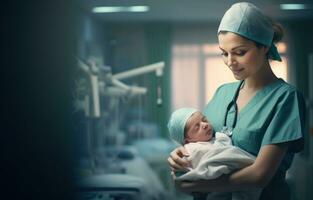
(233, 103)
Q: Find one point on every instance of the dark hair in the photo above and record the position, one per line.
(278, 32)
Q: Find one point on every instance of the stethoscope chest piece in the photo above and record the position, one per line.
(227, 131)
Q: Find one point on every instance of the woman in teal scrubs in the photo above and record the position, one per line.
(263, 114)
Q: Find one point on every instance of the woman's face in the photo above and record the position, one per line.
(241, 55)
(198, 129)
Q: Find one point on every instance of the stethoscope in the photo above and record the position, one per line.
(229, 130)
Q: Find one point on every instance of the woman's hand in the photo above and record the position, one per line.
(186, 187)
(219, 184)
(177, 160)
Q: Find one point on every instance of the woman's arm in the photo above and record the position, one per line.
(256, 175)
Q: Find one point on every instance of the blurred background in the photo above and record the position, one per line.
(89, 86)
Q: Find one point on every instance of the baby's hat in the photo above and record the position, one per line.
(177, 122)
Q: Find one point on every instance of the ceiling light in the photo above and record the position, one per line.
(293, 6)
(138, 8)
(112, 9)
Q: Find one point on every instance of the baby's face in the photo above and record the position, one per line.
(198, 129)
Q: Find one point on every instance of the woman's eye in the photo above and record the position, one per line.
(224, 54)
(240, 52)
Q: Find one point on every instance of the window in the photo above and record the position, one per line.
(198, 70)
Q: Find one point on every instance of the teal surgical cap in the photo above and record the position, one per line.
(177, 122)
(247, 20)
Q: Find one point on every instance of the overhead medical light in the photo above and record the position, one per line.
(293, 6)
(112, 9)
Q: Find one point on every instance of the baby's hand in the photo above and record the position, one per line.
(186, 169)
(178, 159)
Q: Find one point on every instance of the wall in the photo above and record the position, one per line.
(138, 44)
(91, 37)
(300, 43)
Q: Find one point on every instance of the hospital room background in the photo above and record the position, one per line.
(127, 135)
(132, 65)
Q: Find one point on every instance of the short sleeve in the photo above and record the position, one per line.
(288, 122)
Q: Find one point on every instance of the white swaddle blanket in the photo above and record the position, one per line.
(214, 158)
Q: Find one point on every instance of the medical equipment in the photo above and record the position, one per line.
(135, 181)
(103, 83)
(113, 187)
(108, 158)
(101, 79)
(229, 130)
(157, 67)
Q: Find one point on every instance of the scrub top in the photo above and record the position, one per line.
(274, 115)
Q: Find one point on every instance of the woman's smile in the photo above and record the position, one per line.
(237, 71)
